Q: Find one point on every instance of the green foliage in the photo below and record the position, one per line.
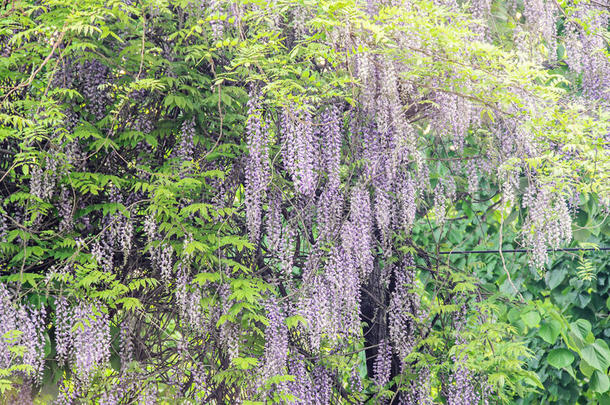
(535, 336)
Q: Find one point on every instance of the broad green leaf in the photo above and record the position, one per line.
(560, 358)
(599, 382)
(554, 277)
(580, 332)
(549, 331)
(531, 318)
(597, 355)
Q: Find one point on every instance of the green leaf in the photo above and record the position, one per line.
(579, 333)
(294, 321)
(560, 358)
(245, 363)
(597, 355)
(203, 278)
(531, 318)
(599, 382)
(129, 303)
(5, 385)
(586, 369)
(554, 277)
(549, 331)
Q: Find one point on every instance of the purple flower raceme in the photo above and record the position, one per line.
(383, 211)
(125, 237)
(323, 385)
(383, 363)
(216, 24)
(144, 123)
(3, 228)
(43, 178)
(229, 331)
(404, 309)
(82, 335)
(406, 190)
(257, 165)
(300, 154)
(91, 337)
(548, 223)
(584, 39)
(357, 234)
(126, 341)
(186, 146)
(286, 251)
(65, 210)
(472, 174)
(540, 17)
(117, 234)
(481, 9)
(274, 221)
(440, 203)
(276, 341)
(161, 255)
(417, 391)
(372, 149)
(355, 381)
(21, 326)
(329, 208)
(24, 394)
(454, 116)
(63, 77)
(343, 283)
(301, 387)
(64, 339)
(314, 302)
(461, 389)
(331, 145)
(92, 76)
(113, 395)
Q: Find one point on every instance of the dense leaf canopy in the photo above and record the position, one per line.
(313, 202)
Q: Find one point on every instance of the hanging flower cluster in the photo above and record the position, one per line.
(21, 336)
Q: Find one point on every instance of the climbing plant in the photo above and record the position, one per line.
(311, 202)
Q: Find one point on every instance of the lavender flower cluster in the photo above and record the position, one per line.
(257, 166)
(309, 387)
(93, 75)
(161, 255)
(357, 232)
(21, 326)
(3, 228)
(383, 363)
(454, 117)
(276, 341)
(404, 309)
(117, 235)
(187, 134)
(461, 389)
(417, 391)
(82, 333)
(540, 17)
(301, 152)
(43, 178)
(548, 223)
(586, 48)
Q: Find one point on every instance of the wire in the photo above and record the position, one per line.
(463, 252)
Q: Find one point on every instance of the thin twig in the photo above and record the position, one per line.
(44, 62)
